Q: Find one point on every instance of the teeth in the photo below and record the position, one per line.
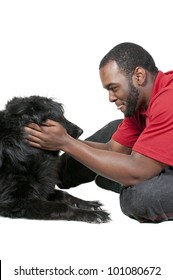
(119, 107)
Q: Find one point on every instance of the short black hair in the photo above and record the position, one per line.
(128, 56)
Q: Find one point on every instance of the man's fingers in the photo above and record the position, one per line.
(34, 144)
(32, 134)
(34, 126)
(32, 138)
(50, 123)
(44, 136)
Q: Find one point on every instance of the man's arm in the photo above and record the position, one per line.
(127, 169)
(109, 146)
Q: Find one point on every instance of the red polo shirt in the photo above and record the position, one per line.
(150, 132)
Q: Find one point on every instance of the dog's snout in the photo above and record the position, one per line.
(80, 131)
(73, 130)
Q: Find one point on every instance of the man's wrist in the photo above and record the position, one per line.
(67, 143)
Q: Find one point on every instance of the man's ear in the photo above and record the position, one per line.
(139, 76)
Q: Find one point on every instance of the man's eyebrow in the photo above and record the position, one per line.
(110, 85)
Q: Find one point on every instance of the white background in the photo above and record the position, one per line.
(53, 48)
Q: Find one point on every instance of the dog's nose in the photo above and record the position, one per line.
(80, 131)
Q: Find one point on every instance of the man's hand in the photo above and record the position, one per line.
(49, 136)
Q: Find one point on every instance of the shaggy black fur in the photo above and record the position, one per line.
(28, 176)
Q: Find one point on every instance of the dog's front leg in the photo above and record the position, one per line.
(51, 210)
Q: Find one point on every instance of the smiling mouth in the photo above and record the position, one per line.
(119, 107)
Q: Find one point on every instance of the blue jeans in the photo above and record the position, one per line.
(150, 201)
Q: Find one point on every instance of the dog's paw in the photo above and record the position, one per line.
(99, 216)
(88, 205)
(89, 216)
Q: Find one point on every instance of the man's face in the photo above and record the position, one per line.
(121, 90)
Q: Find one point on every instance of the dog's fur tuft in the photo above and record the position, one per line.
(28, 176)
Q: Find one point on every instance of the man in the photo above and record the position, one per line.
(139, 155)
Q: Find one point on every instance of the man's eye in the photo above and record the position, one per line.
(114, 89)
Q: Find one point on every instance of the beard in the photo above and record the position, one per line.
(132, 100)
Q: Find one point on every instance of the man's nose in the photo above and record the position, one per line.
(112, 97)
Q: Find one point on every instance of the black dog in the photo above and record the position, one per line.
(28, 176)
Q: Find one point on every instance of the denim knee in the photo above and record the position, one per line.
(151, 200)
(142, 205)
(133, 203)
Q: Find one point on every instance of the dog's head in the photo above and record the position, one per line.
(38, 109)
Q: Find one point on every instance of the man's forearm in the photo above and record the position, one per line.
(96, 145)
(102, 161)
(127, 169)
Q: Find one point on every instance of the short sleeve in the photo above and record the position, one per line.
(129, 130)
(156, 141)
